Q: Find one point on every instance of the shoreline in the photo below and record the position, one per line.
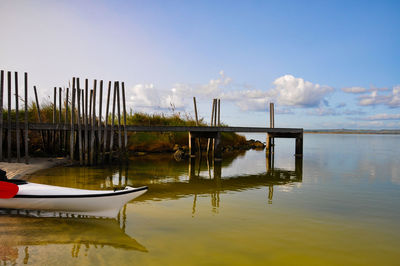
(20, 170)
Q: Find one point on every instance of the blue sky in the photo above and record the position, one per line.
(325, 64)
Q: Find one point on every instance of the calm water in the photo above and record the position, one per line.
(340, 205)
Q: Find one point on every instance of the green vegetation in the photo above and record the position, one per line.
(137, 141)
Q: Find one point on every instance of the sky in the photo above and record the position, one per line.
(324, 64)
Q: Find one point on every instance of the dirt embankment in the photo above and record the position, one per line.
(19, 170)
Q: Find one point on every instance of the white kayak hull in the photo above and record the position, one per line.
(100, 203)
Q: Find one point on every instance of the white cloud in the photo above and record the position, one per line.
(292, 91)
(354, 90)
(382, 117)
(391, 100)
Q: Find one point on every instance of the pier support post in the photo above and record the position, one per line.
(192, 167)
(299, 145)
(299, 167)
(217, 147)
(192, 145)
(268, 144)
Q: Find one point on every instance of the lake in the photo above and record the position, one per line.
(339, 205)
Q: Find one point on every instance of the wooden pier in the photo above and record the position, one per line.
(78, 131)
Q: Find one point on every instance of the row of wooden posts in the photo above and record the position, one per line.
(91, 142)
(212, 142)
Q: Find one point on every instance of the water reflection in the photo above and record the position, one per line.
(19, 231)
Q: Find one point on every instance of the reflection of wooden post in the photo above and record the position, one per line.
(1, 113)
(192, 145)
(26, 117)
(299, 145)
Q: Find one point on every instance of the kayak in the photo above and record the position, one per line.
(99, 203)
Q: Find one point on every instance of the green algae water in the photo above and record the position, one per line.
(339, 205)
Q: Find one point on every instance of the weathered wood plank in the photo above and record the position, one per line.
(119, 121)
(78, 90)
(99, 119)
(124, 110)
(72, 133)
(1, 113)
(106, 119)
(26, 118)
(112, 121)
(18, 137)
(93, 123)
(39, 116)
(86, 123)
(9, 118)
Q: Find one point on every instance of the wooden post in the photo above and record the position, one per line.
(299, 145)
(93, 124)
(72, 133)
(66, 118)
(54, 117)
(99, 122)
(59, 119)
(39, 116)
(18, 137)
(271, 121)
(119, 121)
(1, 113)
(9, 117)
(219, 112)
(212, 123)
(86, 123)
(197, 123)
(26, 117)
(124, 110)
(192, 145)
(112, 121)
(106, 119)
(78, 90)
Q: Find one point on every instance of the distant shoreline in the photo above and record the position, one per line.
(350, 131)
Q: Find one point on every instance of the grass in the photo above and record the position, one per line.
(137, 141)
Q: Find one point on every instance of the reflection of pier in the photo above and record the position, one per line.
(81, 233)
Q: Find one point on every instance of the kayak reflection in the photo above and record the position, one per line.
(19, 230)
